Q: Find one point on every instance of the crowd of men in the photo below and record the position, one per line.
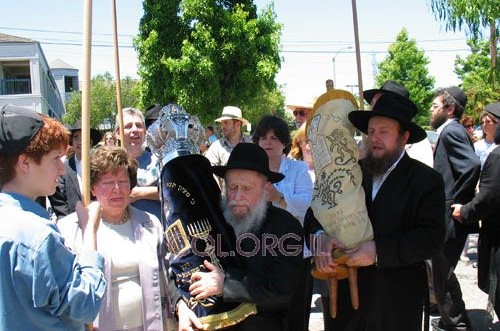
(421, 217)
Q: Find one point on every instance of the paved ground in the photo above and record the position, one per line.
(475, 299)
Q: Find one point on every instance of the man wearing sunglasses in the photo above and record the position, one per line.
(301, 112)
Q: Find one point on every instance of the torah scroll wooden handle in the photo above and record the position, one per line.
(341, 272)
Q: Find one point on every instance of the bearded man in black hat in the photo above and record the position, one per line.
(404, 198)
(69, 189)
(456, 161)
(269, 240)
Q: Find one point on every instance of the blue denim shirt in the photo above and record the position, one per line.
(43, 285)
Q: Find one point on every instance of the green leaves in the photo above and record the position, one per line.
(103, 99)
(475, 16)
(407, 65)
(223, 54)
(477, 75)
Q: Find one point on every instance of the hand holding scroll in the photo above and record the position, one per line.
(207, 284)
(363, 255)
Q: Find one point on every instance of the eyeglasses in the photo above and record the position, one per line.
(299, 112)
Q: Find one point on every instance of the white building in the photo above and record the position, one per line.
(66, 77)
(25, 77)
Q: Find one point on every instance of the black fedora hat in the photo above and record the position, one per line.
(394, 87)
(493, 109)
(95, 135)
(249, 156)
(153, 112)
(393, 106)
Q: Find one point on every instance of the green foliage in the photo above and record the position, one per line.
(475, 15)
(472, 14)
(475, 72)
(207, 54)
(407, 65)
(161, 33)
(103, 99)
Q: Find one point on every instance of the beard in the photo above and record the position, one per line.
(377, 166)
(438, 119)
(251, 222)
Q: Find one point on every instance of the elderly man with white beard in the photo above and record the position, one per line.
(269, 239)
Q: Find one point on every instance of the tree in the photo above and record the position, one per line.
(102, 100)
(161, 33)
(475, 15)
(220, 53)
(407, 65)
(474, 71)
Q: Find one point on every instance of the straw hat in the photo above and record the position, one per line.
(232, 113)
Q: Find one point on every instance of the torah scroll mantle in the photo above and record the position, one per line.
(338, 198)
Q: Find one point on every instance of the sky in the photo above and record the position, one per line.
(314, 32)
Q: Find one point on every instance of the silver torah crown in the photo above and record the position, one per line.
(174, 133)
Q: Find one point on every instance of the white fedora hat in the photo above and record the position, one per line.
(232, 113)
(301, 103)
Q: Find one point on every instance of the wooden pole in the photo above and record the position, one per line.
(117, 74)
(85, 116)
(358, 54)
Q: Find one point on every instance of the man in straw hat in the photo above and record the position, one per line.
(485, 206)
(301, 111)
(69, 189)
(456, 161)
(404, 198)
(269, 239)
(231, 122)
(43, 285)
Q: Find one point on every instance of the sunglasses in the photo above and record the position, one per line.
(299, 112)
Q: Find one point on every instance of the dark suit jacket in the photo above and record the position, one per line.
(409, 227)
(270, 274)
(456, 161)
(67, 193)
(486, 207)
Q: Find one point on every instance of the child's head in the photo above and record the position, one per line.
(24, 131)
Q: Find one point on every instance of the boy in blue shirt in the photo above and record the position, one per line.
(43, 285)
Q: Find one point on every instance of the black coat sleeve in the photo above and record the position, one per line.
(486, 204)
(59, 200)
(311, 226)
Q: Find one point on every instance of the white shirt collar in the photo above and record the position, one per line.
(441, 128)
(379, 180)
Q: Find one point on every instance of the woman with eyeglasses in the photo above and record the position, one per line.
(131, 241)
(108, 139)
(294, 194)
(484, 146)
